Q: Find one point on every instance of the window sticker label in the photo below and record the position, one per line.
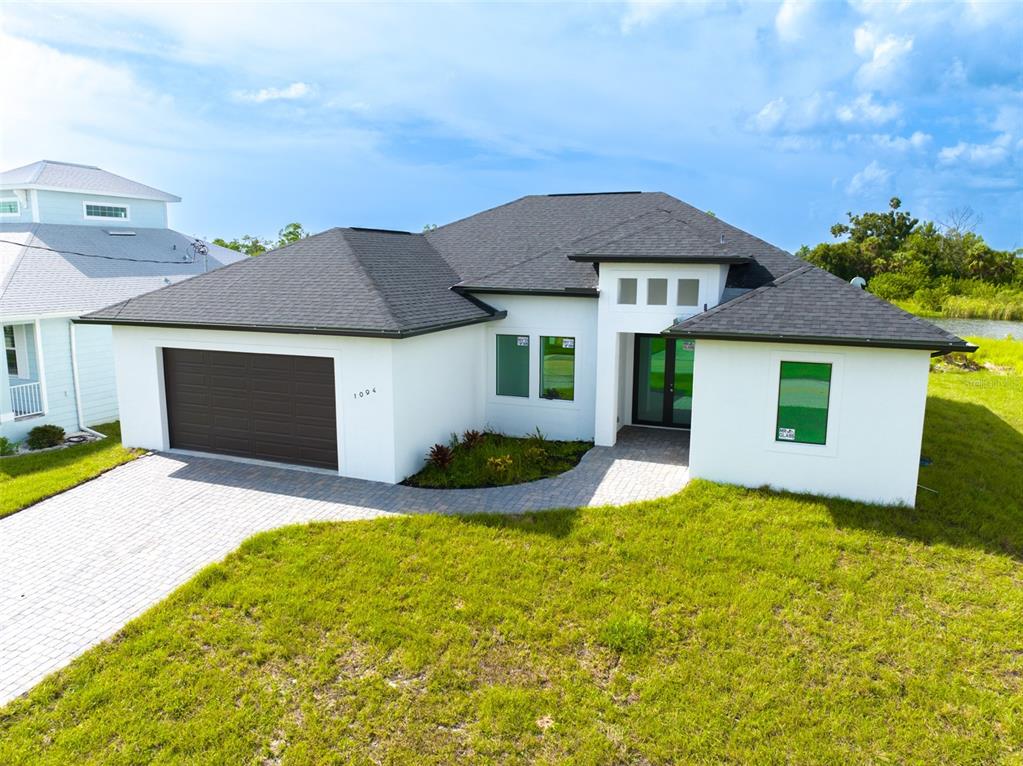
(522, 340)
(568, 342)
(787, 434)
(689, 345)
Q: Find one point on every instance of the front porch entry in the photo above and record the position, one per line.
(662, 382)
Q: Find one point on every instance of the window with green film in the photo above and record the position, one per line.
(557, 367)
(803, 393)
(513, 365)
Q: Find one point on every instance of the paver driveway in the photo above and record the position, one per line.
(75, 568)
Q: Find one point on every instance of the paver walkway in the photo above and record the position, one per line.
(75, 568)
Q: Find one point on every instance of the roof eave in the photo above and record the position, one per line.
(934, 347)
(724, 260)
(160, 196)
(295, 330)
(570, 292)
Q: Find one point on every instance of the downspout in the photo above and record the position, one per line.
(74, 381)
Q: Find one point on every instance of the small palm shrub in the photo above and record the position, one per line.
(7, 447)
(440, 456)
(45, 436)
(472, 438)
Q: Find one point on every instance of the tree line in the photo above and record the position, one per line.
(944, 267)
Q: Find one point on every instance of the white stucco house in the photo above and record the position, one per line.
(75, 238)
(355, 350)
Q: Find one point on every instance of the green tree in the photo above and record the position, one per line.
(255, 246)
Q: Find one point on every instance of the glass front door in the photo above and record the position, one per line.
(662, 391)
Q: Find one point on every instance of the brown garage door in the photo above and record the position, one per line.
(265, 406)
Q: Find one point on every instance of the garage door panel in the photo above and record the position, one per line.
(264, 406)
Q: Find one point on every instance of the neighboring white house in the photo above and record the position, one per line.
(74, 238)
(355, 350)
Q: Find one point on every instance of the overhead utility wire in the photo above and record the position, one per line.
(194, 247)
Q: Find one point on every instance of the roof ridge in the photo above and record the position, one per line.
(371, 282)
(473, 215)
(564, 246)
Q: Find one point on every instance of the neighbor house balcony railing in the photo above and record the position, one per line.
(27, 399)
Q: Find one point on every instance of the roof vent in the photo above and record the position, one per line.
(120, 233)
(859, 282)
(722, 240)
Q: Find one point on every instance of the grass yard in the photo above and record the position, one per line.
(29, 478)
(499, 460)
(718, 625)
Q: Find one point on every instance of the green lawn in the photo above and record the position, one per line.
(719, 625)
(29, 478)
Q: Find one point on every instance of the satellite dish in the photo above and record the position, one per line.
(860, 282)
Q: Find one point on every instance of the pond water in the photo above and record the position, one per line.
(984, 328)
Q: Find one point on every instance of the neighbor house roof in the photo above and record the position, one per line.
(810, 305)
(61, 268)
(341, 281)
(87, 179)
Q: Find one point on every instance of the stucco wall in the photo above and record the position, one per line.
(365, 423)
(438, 390)
(875, 420)
(66, 207)
(537, 316)
(618, 323)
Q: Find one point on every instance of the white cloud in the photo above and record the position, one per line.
(639, 13)
(917, 141)
(790, 21)
(983, 155)
(66, 107)
(863, 109)
(871, 177)
(294, 91)
(768, 118)
(883, 54)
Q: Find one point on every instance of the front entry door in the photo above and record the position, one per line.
(662, 387)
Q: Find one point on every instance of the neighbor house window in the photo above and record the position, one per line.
(627, 291)
(688, 292)
(803, 393)
(10, 207)
(11, 350)
(106, 211)
(657, 292)
(513, 365)
(557, 367)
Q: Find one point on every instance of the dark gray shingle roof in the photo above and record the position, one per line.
(526, 244)
(810, 305)
(345, 281)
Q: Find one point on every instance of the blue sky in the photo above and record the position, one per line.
(779, 117)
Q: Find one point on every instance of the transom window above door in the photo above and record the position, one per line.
(657, 292)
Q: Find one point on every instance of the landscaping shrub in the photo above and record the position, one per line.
(7, 447)
(45, 436)
(893, 286)
(472, 439)
(500, 463)
(440, 456)
(493, 459)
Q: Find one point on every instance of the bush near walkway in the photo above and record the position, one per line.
(718, 625)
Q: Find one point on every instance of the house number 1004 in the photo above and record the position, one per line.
(363, 394)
